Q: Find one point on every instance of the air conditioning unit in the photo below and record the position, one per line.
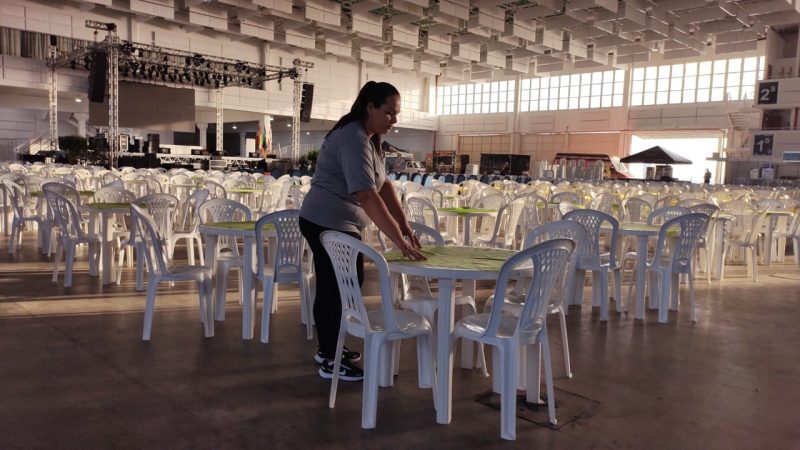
(791, 157)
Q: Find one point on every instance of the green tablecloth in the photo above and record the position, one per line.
(454, 257)
(465, 211)
(82, 193)
(110, 205)
(249, 225)
(244, 191)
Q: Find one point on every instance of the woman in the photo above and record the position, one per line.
(348, 190)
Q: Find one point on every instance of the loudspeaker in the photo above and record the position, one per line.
(154, 142)
(306, 101)
(53, 40)
(152, 160)
(97, 76)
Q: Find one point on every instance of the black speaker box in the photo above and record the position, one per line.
(306, 101)
(97, 76)
(154, 142)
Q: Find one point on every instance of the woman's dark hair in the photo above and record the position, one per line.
(374, 93)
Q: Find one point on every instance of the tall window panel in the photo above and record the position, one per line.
(577, 91)
(696, 82)
(476, 98)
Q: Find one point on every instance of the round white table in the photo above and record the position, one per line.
(467, 214)
(211, 233)
(105, 212)
(448, 264)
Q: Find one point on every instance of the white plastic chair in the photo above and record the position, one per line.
(749, 244)
(593, 221)
(67, 191)
(287, 267)
(187, 226)
(792, 233)
(161, 208)
(379, 328)
(508, 333)
(669, 263)
(227, 252)
(637, 209)
(505, 227)
(16, 196)
(68, 221)
(160, 271)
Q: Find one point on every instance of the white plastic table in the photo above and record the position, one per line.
(105, 212)
(443, 264)
(211, 233)
(643, 233)
(467, 214)
(772, 219)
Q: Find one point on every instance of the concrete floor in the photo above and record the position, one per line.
(74, 373)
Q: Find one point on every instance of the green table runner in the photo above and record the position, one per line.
(244, 191)
(249, 225)
(82, 193)
(110, 205)
(453, 257)
(465, 211)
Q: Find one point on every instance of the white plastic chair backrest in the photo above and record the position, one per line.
(705, 208)
(535, 207)
(604, 202)
(65, 215)
(16, 195)
(426, 234)
(560, 229)
(180, 178)
(113, 195)
(681, 248)
(566, 207)
(114, 184)
(511, 215)
(215, 190)
(290, 242)
(494, 201)
(689, 202)
(189, 214)
(664, 201)
(769, 204)
(649, 198)
(566, 196)
(146, 232)
(62, 180)
(593, 221)
(161, 208)
(64, 189)
(343, 251)
(743, 212)
(548, 261)
(298, 195)
(416, 208)
(223, 210)
(751, 237)
(435, 196)
(637, 209)
(662, 215)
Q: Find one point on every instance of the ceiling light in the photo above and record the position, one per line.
(308, 133)
(78, 100)
(289, 125)
(396, 130)
(234, 127)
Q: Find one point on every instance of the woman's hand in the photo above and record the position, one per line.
(408, 233)
(410, 250)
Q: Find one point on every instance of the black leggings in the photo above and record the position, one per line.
(327, 303)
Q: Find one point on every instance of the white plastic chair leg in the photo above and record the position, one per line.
(56, 261)
(222, 287)
(369, 401)
(693, 300)
(508, 397)
(663, 308)
(548, 376)
(603, 295)
(152, 286)
(69, 263)
(565, 342)
(337, 364)
(265, 312)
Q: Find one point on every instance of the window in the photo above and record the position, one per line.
(705, 81)
(476, 98)
(575, 91)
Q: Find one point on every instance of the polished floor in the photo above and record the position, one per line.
(74, 373)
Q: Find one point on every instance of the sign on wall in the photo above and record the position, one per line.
(762, 144)
(768, 93)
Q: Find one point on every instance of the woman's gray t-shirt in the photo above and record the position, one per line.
(347, 163)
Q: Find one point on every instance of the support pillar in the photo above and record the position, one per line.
(81, 119)
(242, 144)
(203, 129)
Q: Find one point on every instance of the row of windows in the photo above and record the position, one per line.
(576, 91)
(477, 98)
(707, 81)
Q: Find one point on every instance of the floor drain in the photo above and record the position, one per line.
(570, 407)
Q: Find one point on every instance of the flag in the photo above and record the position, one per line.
(259, 135)
(267, 138)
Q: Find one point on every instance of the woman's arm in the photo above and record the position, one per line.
(377, 210)
(392, 201)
